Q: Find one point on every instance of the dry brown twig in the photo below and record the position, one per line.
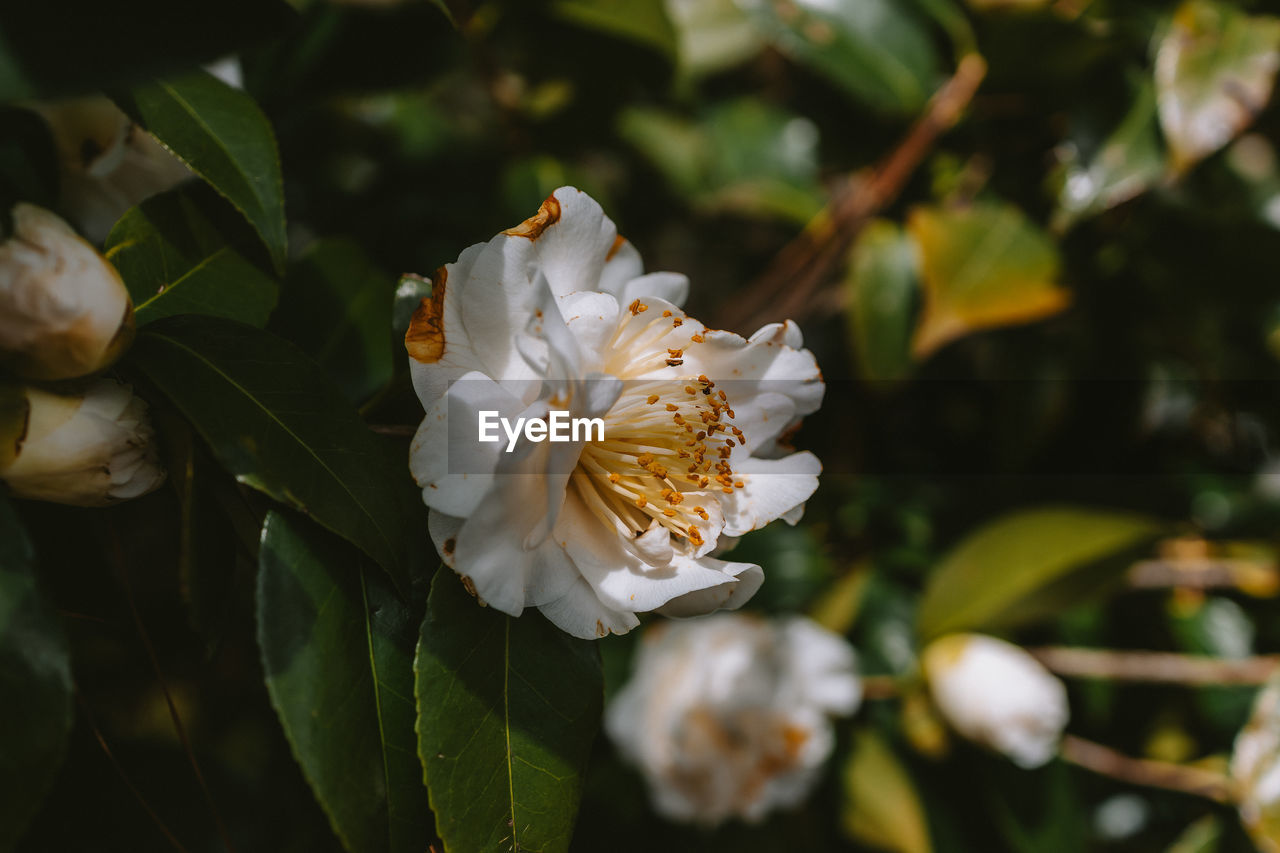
(1156, 667)
(1142, 771)
(788, 287)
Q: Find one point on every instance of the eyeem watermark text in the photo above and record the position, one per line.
(558, 426)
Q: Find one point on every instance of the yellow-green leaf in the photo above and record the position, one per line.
(881, 291)
(1215, 67)
(983, 267)
(881, 806)
(1017, 568)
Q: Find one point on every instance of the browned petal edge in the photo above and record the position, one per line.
(618, 242)
(15, 418)
(548, 214)
(424, 339)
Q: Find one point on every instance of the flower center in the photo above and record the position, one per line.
(667, 441)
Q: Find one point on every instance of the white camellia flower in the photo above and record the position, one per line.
(729, 715)
(64, 312)
(107, 164)
(556, 314)
(1255, 769)
(90, 449)
(997, 695)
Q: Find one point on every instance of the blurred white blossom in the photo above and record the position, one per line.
(89, 449)
(557, 313)
(64, 312)
(1255, 769)
(107, 164)
(997, 695)
(729, 715)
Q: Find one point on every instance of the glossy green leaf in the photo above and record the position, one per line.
(175, 259)
(336, 306)
(743, 156)
(63, 47)
(879, 51)
(507, 710)
(221, 134)
(1201, 836)
(276, 423)
(882, 292)
(35, 685)
(1215, 69)
(642, 21)
(337, 647)
(712, 35)
(983, 267)
(1130, 161)
(881, 807)
(1008, 571)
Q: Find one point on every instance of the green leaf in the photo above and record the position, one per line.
(882, 290)
(1130, 161)
(277, 424)
(983, 267)
(642, 21)
(175, 259)
(65, 47)
(1200, 836)
(712, 35)
(743, 156)
(879, 51)
(1215, 68)
(337, 307)
(221, 134)
(507, 710)
(1011, 571)
(881, 807)
(337, 646)
(35, 685)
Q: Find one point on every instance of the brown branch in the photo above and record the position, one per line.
(1141, 771)
(788, 287)
(397, 430)
(124, 777)
(1156, 667)
(1250, 576)
(879, 687)
(179, 728)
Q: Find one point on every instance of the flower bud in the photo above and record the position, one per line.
(728, 715)
(64, 312)
(90, 449)
(997, 695)
(1255, 769)
(106, 163)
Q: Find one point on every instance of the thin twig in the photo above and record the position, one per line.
(788, 287)
(124, 777)
(879, 687)
(1158, 667)
(1141, 771)
(178, 726)
(1251, 576)
(398, 430)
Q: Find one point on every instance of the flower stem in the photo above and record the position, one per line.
(1141, 771)
(1157, 667)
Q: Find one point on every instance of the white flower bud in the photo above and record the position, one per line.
(90, 449)
(1255, 769)
(107, 164)
(64, 312)
(997, 695)
(728, 715)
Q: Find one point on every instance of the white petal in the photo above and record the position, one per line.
(592, 318)
(620, 267)
(669, 286)
(580, 613)
(571, 251)
(620, 578)
(446, 458)
(739, 581)
(771, 488)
